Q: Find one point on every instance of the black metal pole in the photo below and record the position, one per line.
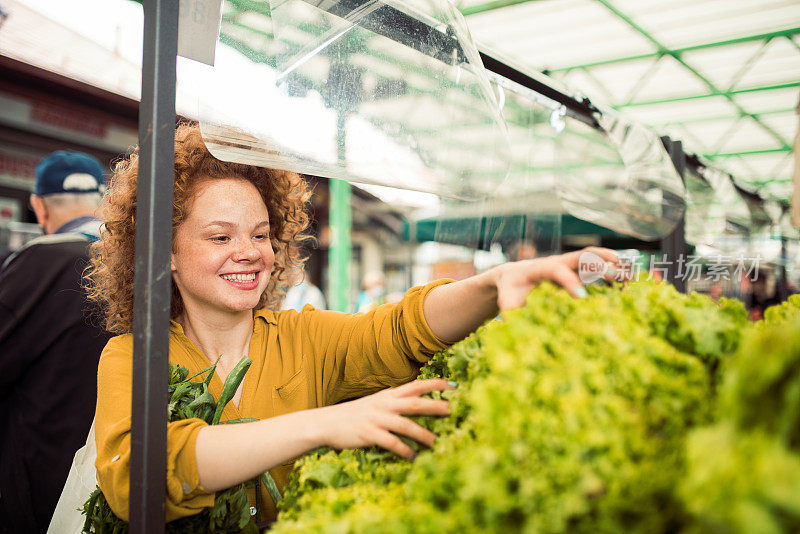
(152, 274)
(673, 246)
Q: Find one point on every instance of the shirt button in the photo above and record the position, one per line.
(186, 488)
(253, 510)
(115, 458)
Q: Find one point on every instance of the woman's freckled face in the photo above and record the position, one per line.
(222, 255)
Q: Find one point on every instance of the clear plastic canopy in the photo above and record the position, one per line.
(705, 215)
(560, 162)
(368, 91)
(727, 221)
(637, 191)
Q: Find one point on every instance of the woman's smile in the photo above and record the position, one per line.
(246, 281)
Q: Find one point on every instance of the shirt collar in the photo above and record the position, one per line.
(75, 223)
(268, 316)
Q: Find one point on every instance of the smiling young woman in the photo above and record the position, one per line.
(234, 231)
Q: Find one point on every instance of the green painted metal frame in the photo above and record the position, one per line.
(340, 251)
(678, 51)
(713, 93)
(718, 118)
(782, 150)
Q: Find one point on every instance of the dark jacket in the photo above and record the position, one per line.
(50, 344)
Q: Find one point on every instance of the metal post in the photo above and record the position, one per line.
(673, 246)
(782, 285)
(152, 275)
(412, 249)
(340, 220)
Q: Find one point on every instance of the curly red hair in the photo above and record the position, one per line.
(110, 275)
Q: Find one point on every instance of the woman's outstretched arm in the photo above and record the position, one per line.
(230, 454)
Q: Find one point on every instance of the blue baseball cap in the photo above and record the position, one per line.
(68, 171)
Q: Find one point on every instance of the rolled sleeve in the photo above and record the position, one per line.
(423, 343)
(185, 495)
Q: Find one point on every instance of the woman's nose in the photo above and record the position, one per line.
(246, 252)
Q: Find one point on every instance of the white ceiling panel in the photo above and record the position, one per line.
(669, 80)
(749, 136)
(776, 99)
(618, 78)
(713, 21)
(713, 106)
(785, 124)
(779, 64)
(721, 64)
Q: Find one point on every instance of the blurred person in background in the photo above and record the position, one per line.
(372, 294)
(49, 343)
(763, 295)
(715, 292)
(522, 250)
(302, 292)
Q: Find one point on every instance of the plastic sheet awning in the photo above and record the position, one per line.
(370, 92)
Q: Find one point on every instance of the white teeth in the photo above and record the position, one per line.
(240, 277)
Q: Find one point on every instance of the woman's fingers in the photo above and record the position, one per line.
(567, 279)
(392, 443)
(375, 417)
(406, 427)
(556, 269)
(422, 406)
(573, 259)
(420, 387)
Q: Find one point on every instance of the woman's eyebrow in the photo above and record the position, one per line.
(228, 224)
(224, 224)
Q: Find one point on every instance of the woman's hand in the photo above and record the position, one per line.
(516, 279)
(455, 310)
(377, 419)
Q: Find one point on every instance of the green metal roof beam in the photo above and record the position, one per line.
(789, 37)
(757, 37)
(748, 153)
(491, 6)
(713, 88)
(717, 92)
(717, 118)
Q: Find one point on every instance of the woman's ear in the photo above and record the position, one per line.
(172, 263)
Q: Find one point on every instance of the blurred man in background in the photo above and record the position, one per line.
(302, 292)
(373, 292)
(49, 343)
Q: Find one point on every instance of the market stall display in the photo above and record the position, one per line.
(578, 415)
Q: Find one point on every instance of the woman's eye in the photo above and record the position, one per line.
(220, 239)
(261, 237)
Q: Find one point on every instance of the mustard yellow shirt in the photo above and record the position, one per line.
(300, 361)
